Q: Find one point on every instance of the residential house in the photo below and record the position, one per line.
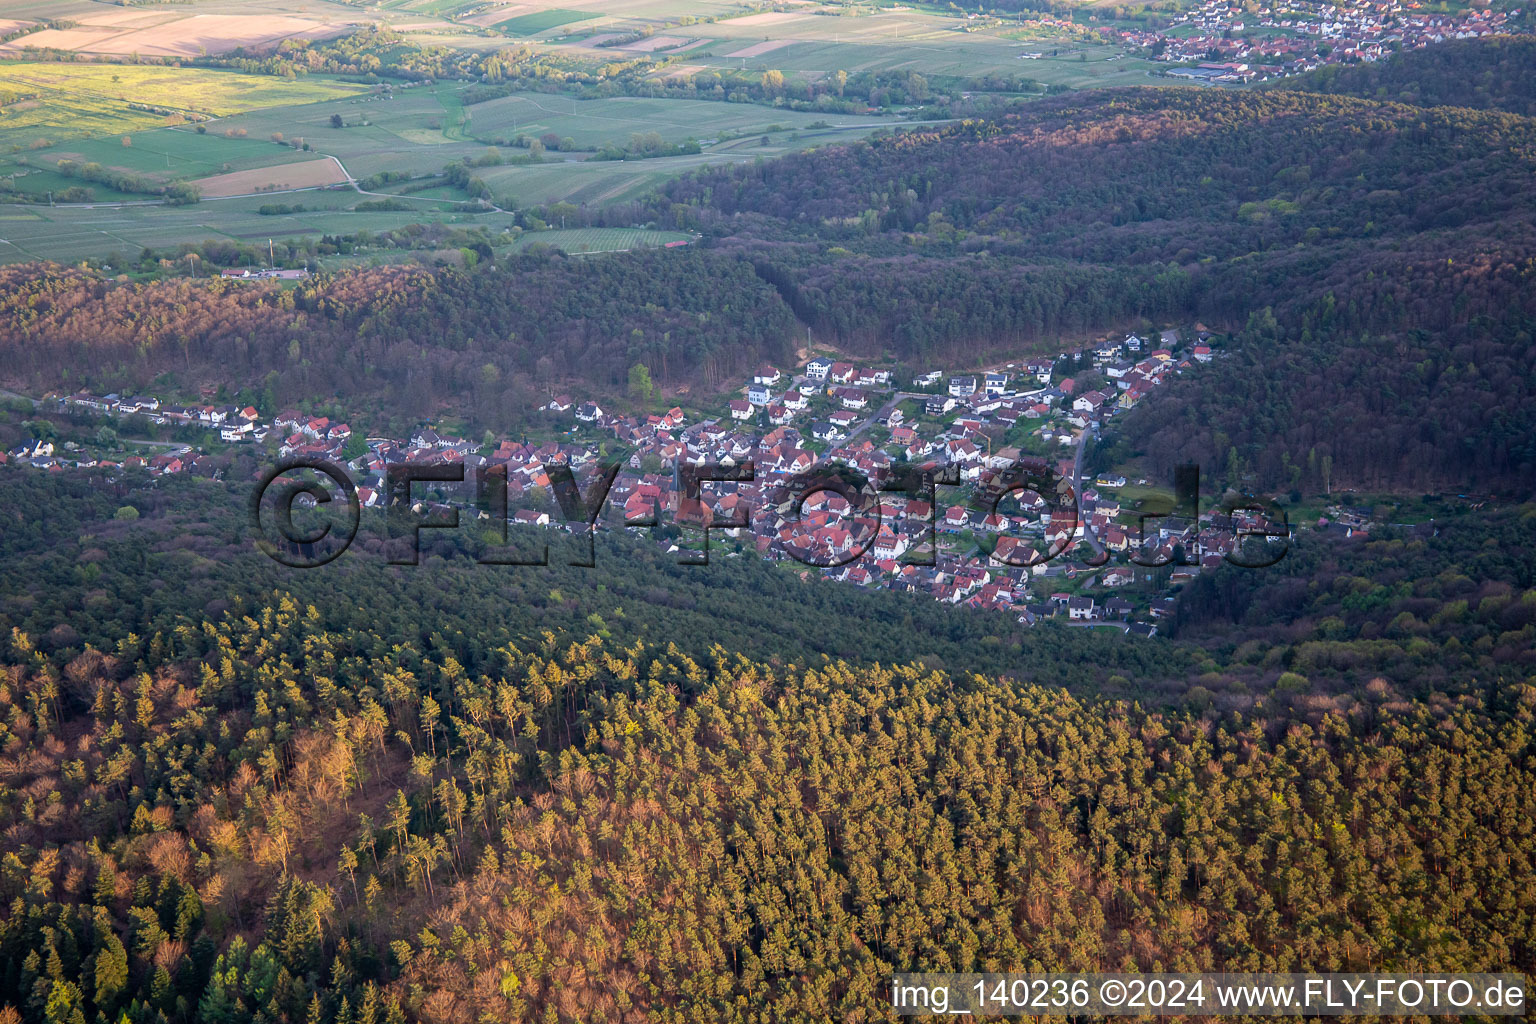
(1089, 403)
(1117, 577)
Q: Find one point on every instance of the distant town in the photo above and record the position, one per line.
(1230, 42)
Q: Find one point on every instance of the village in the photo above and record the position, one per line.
(972, 541)
(1231, 41)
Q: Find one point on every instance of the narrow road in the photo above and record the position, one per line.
(882, 412)
(391, 195)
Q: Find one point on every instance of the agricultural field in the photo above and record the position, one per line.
(816, 40)
(542, 21)
(55, 101)
(593, 124)
(414, 129)
(75, 233)
(603, 182)
(160, 33)
(303, 174)
(423, 129)
(70, 234)
(594, 240)
(248, 140)
(169, 154)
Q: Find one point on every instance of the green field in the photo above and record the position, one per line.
(931, 41)
(408, 131)
(542, 21)
(73, 233)
(173, 153)
(602, 182)
(419, 130)
(593, 240)
(80, 112)
(593, 124)
(82, 100)
(69, 234)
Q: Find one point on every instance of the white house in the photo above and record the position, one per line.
(853, 398)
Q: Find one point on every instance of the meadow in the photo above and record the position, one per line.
(931, 41)
(70, 234)
(594, 240)
(601, 182)
(542, 21)
(81, 112)
(413, 129)
(173, 153)
(85, 99)
(593, 124)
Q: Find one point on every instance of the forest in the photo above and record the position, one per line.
(401, 341)
(373, 794)
(1485, 74)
